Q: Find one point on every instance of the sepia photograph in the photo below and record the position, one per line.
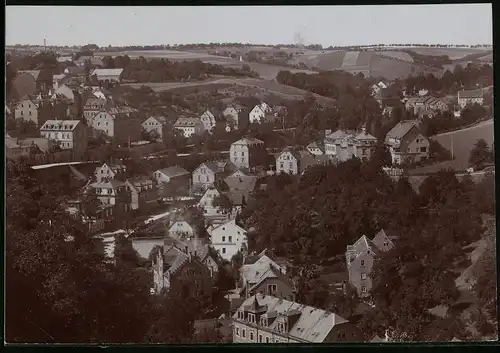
(249, 175)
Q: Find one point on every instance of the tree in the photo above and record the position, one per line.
(223, 202)
(480, 154)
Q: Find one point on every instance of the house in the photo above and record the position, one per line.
(58, 80)
(228, 239)
(75, 71)
(28, 110)
(80, 62)
(92, 60)
(209, 174)
(107, 75)
(470, 97)
(92, 107)
(241, 189)
(177, 269)
(236, 118)
(361, 257)
(288, 161)
(269, 319)
(406, 143)
(166, 175)
(257, 114)
(348, 144)
(208, 120)
(181, 229)
(118, 123)
(206, 203)
(110, 172)
(316, 148)
(65, 91)
(189, 126)
(67, 134)
(142, 191)
(39, 144)
(248, 153)
(112, 192)
(377, 87)
(15, 150)
(427, 102)
(256, 268)
(155, 125)
(64, 59)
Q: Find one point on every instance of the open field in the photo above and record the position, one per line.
(453, 53)
(265, 71)
(267, 86)
(463, 142)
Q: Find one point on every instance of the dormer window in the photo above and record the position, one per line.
(281, 326)
(263, 321)
(241, 315)
(251, 318)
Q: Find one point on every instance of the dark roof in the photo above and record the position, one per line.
(401, 129)
(470, 94)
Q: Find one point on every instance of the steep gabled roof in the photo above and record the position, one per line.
(173, 171)
(400, 130)
(248, 141)
(273, 272)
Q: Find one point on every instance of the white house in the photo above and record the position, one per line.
(470, 97)
(56, 79)
(208, 120)
(247, 153)
(68, 134)
(206, 203)
(189, 126)
(155, 124)
(228, 238)
(288, 162)
(166, 175)
(109, 172)
(181, 229)
(406, 143)
(232, 115)
(256, 115)
(108, 74)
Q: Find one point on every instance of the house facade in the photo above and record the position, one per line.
(110, 172)
(470, 97)
(347, 144)
(248, 153)
(189, 126)
(228, 238)
(269, 319)
(316, 148)
(112, 192)
(92, 107)
(155, 125)
(28, 110)
(68, 134)
(208, 120)
(206, 203)
(181, 229)
(142, 191)
(167, 175)
(361, 257)
(407, 144)
(176, 269)
(288, 162)
(110, 75)
(208, 174)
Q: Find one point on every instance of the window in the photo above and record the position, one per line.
(363, 276)
(223, 250)
(281, 165)
(418, 140)
(423, 149)
(243, 333)
(263, 321)
(281, 327)
(363, 289)
(386, 244)
(237, 331)
(98, 123)
(291, 165)
(260, 338)
(29, 112)
(251, 318)
(272, 288)
(22, 112)
(223, 239)
(199, 178)
(243, 154)
(251, 336)
(362, 262)
(341, 335)
(267, 340)
(230, 239)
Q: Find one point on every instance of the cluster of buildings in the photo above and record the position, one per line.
(233, 117)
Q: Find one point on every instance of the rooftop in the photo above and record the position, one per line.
(313, 324)
(61, 125)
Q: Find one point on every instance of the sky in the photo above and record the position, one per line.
(325, 25)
